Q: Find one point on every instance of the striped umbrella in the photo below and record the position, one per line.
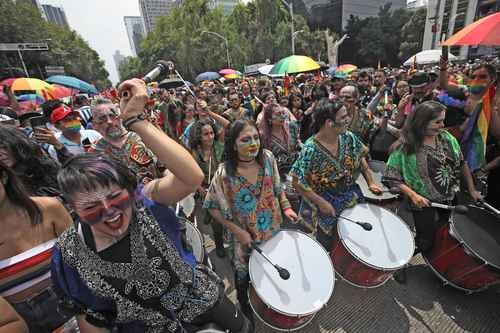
(37, 99)
(24, 86)
(294, 64)
(485, 31)
(228, 71)
(346, 69)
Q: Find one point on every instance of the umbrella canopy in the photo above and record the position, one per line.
(171, 83)
(24, 86)
(294, 64)
(227, 71)
(232, 76)
(61, 91)
(37, 99)
(73, 82)
(485, 31)
(8, 82)
(428, 57)
(207, 76)
(264, 70)
(346, 69)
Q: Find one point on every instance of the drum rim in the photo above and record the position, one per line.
(373, 197)
(371, 265)
(295, 314)
(462, 241)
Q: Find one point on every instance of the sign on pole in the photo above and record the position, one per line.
(24, 47)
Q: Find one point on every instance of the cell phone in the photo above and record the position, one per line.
(39, 121)
(444, 52)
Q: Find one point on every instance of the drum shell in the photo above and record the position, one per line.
(352, 270)
(451, 261)
(274, 318)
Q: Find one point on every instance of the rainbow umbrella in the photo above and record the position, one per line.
(485, 31)
(61, 91)
(24, 86)
(8, 82)
(227, 71)
(345, 69)
(37, 99)
(232, 76)
(294, 64)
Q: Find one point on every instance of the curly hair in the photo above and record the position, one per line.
(325, 110)
(31, 164)
(195, 134)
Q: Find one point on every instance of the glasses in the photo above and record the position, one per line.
(347, 98)
(101, 119)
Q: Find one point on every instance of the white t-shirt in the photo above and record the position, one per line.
(72, 147)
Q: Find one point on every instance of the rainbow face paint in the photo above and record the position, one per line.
(73, 125)
(92, 211)
(249, 149)
(477, 87)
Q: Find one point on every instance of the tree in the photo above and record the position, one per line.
(412, 35)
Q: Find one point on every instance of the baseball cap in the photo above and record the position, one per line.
(60, 113)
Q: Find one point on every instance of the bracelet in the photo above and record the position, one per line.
(127, 123)
(285, 204)
(287, 209)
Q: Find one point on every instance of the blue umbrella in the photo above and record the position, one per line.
(31, 98)
(207, 76)
(73, 82)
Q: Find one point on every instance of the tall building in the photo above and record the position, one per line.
(227, 5)
(336, 13)
(56, 15)
(118, 58)
(446, 17)
(152, 9)
(485, 8)
(37, 4)
(416, 4)
(135, 32)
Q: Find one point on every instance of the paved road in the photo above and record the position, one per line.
(423, 304)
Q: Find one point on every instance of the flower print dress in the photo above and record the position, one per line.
(254, 207)
(331, 177)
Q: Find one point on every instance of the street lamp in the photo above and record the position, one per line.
(290, 8)
(225, 41)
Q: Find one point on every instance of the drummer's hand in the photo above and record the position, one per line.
(420, 201)
(244, 238)
(134, 97)
(375, 189)
(476, 195)
(326, 209)
(291, 215)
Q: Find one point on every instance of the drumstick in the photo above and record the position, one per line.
(284, 273)
(460, 209)
(486, 205)
(367, 226)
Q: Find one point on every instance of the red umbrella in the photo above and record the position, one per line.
(61, 92)
(485, 31)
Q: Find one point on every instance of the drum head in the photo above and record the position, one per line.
(311, 279)
(378, 168)
(480, 231)
(389, 245)
(195, 240)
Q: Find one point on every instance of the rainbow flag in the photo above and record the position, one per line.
(474, 138)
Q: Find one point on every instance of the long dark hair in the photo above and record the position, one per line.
(230, 151)
(85, 172)
(415, 126)
(18, 195)
(324, 110)
(32, 165)
(195, 133)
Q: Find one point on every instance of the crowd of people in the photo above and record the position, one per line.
(89, 187)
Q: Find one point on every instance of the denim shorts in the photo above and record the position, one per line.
(40, 312)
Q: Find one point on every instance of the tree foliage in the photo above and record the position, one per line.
(22, 23)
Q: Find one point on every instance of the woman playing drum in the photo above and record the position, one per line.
(246, 197)
(427, 167)
(325, 172)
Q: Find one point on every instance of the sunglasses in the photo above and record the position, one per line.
(98, 213)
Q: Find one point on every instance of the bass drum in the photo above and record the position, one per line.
(367, 259)
(194, 240)
(466, 253)
(288, 305)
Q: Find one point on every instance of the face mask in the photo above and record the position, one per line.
(249, 149)
(73, 126)
(477, 87)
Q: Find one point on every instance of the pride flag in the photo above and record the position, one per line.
(474, 138)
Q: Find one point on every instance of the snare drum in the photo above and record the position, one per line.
(386, 199)
(368, 259)
(466, 253)
(288, 305)
(194, 239)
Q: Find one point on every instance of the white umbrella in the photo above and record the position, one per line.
(264, 70)
(428, 57)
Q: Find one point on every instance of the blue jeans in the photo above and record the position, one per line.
(40, 312)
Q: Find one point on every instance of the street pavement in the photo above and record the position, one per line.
(423, 304)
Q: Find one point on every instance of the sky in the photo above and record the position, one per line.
(100, 23)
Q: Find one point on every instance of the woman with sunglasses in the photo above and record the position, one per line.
(327, 168)
(246, 197)
(30, 227)
(123, 266)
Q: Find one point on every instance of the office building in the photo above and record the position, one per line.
(416, 4)
(135, 32)
(118, 58)
(227, 5)
(56, 15)
(151, 10)
(37, 4)
(336, 13)
(446, 17)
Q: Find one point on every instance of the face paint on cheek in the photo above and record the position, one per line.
(249, 149)
(73, 125)
(477, 87)
(100, 213)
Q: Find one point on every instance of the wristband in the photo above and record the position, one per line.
(127, 123)
(285, 204)
(287, 209)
